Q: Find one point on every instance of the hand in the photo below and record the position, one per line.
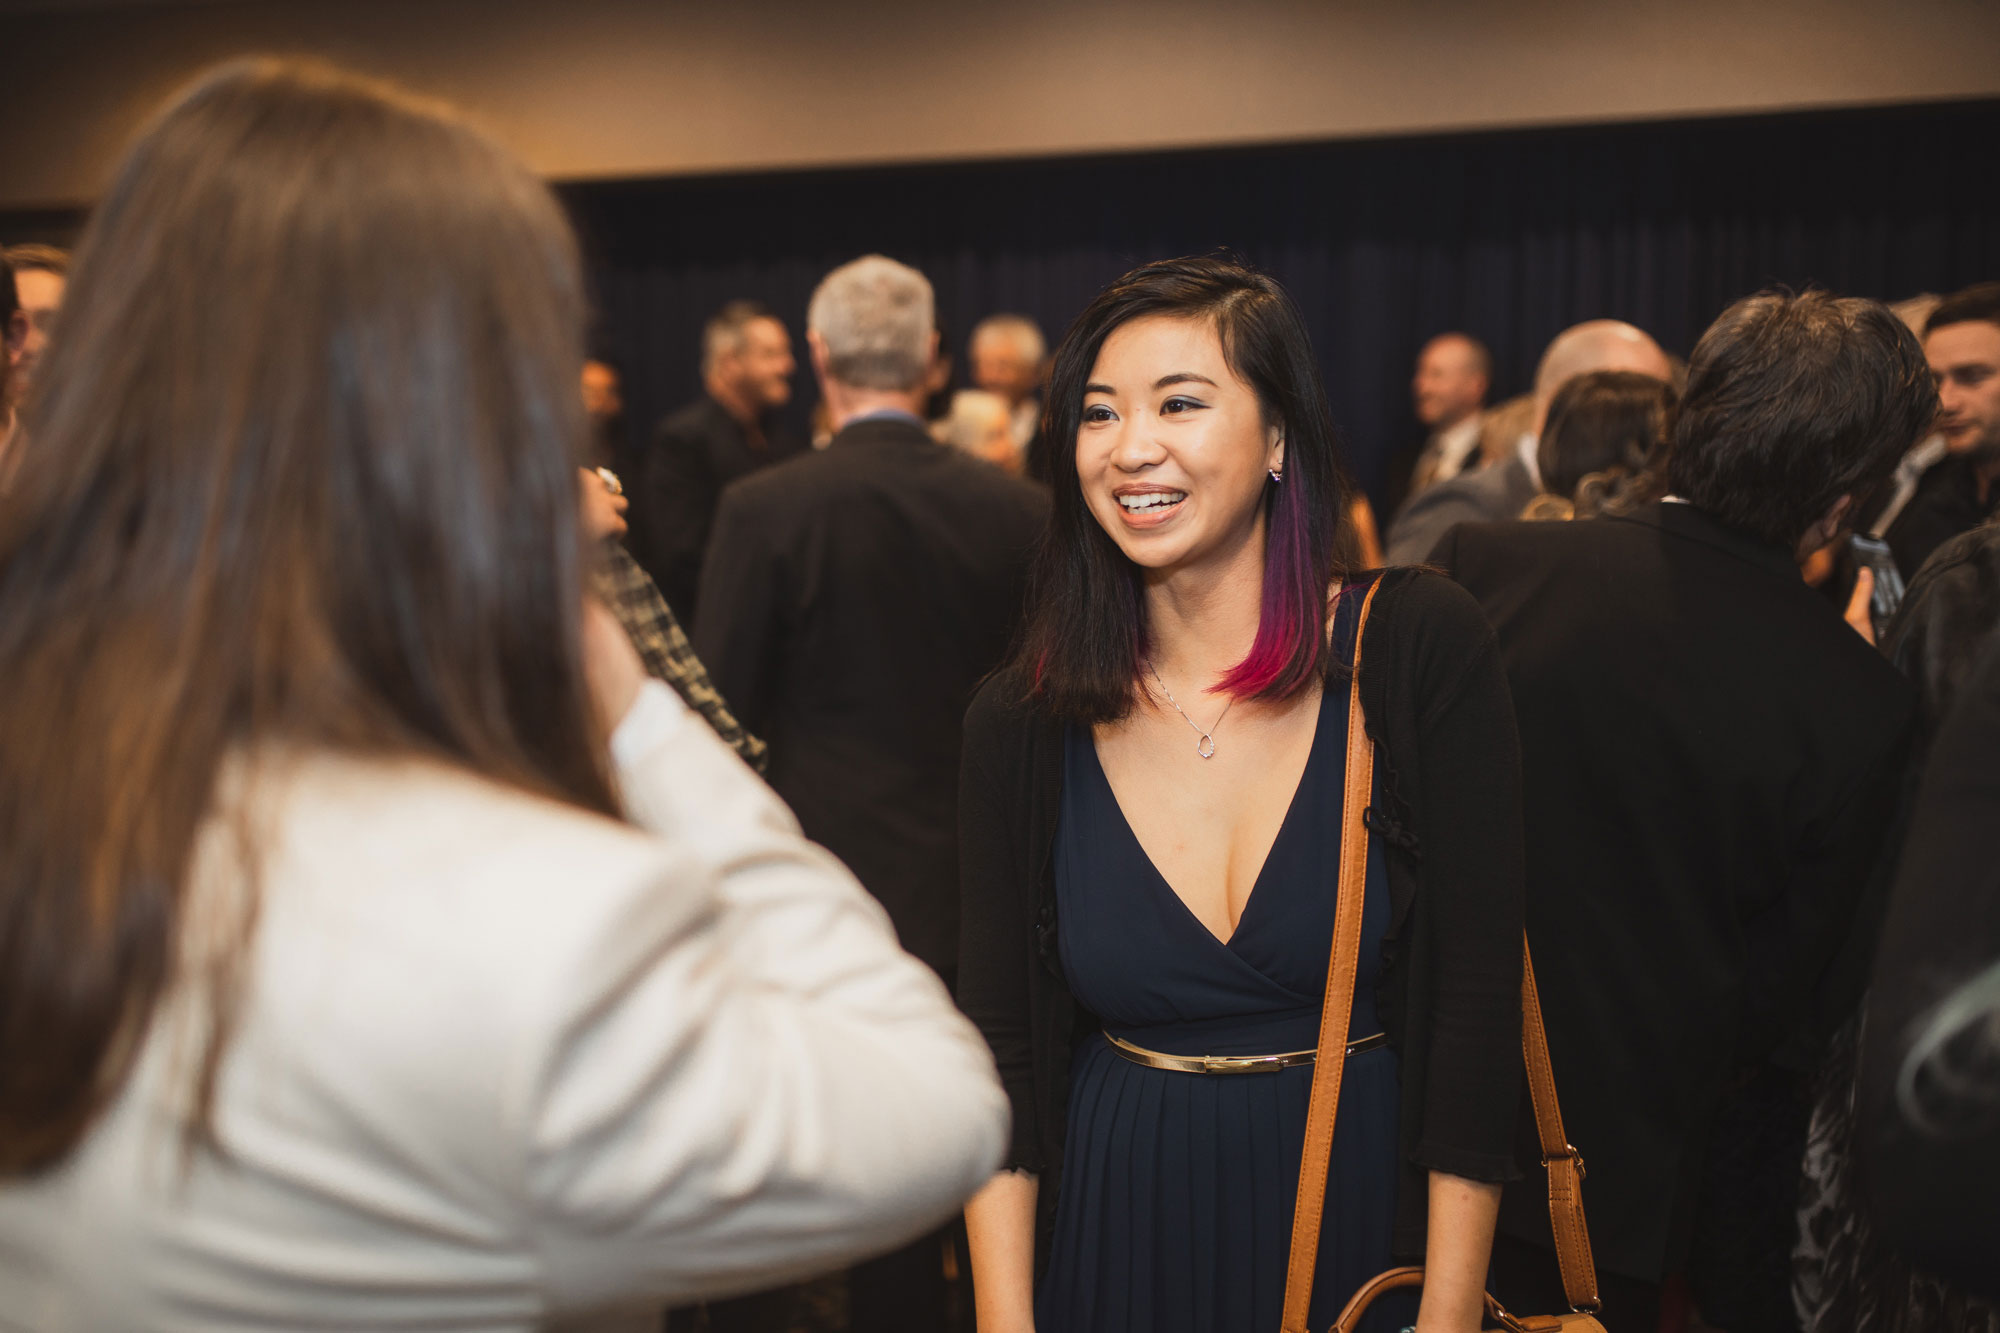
(611, 665)
(603, 508)
(1858, 613)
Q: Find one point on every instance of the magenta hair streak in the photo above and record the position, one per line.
(1288, 568)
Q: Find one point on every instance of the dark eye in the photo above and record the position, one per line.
(1178, 404)
(1095, 413)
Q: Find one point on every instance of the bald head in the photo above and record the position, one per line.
(1597, 344)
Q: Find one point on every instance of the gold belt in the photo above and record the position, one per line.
(1232, 1064)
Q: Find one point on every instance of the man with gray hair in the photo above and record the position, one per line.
(729, 432)
(850, 601)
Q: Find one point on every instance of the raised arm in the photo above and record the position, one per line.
(747, 1080)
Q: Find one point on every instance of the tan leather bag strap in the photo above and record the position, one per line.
(1331, 1061)
(1497, 1314)
(1562, 1161)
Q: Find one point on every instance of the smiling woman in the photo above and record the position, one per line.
(1190, 583)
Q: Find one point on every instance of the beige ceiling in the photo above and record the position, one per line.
(594, 88)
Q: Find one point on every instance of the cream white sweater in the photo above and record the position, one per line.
(501, 1064)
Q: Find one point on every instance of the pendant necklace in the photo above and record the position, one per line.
(1205, 747)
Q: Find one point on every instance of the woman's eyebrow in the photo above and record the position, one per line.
(1183, 377)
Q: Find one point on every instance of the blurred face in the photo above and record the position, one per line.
(602, 400)
(1173, 452)
(1966, 360)
(761, 369)
(41, 296)
(13, 334)
(998, 367)
(1449, 385)
(996, 444)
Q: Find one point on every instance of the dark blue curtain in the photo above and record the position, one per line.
(1511, 236)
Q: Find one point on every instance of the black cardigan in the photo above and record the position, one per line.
(1436, 702)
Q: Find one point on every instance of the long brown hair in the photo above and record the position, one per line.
(302, 471)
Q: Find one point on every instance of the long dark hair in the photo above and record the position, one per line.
(1086, 627)
(301, 474)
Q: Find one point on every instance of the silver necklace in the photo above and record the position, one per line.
(1205, 747)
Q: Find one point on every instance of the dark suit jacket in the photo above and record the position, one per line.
(851, 601)
(1711, 762)
(1945, 504)
(1490, 495)
(1934, 1189)
(695, 453)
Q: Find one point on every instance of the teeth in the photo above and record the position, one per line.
(1156, 500)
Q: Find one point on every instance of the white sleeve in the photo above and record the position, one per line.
(755, 1088)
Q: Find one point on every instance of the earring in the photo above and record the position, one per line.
(1277, 476)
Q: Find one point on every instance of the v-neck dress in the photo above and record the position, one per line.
(1178, 1189)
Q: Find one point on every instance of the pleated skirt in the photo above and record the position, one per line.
(1175, 1214)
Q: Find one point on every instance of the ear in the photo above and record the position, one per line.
(1274, 448)
(816, 349)
(1823, 532)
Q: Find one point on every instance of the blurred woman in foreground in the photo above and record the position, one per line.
(334, 985)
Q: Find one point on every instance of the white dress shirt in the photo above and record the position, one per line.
(502, 1064)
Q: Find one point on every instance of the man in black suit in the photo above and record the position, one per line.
(1502, 488)
(1711, 761)
(851, 600)
(1961, 490)
(730, 431)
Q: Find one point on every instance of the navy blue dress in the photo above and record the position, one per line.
(1177, 1193)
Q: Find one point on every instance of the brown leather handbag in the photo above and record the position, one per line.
(1564, 1164)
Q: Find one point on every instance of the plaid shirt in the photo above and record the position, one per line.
(629, 591)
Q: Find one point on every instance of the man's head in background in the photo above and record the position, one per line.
(40, 274)
(1596, 344)
(1962, 345)
(1797, 407)
(746, 360)
(871, 330)
(603, 393)
(980, 424)
(1454, 371)
(1008, 356)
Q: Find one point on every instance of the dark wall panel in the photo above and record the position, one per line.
(1511, 236)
